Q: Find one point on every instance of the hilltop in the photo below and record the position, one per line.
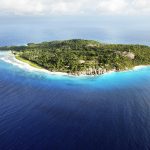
(82, 56)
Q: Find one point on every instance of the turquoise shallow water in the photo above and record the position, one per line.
(41, 111)
(106, 81)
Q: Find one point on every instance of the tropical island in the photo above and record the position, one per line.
(81, 57)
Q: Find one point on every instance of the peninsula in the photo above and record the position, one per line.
(82, 57)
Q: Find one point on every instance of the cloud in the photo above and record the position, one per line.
(74, 7)
(21, 6)
(112, 6)
(141, 5)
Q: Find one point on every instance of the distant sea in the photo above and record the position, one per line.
(121, 29)
(39, 111)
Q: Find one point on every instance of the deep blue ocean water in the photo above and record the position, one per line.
(39, 111)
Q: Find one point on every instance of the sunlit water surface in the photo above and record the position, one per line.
(48, 112)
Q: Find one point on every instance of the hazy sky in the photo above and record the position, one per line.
(115, 21)
(74, 7)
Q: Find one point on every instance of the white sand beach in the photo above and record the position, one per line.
(10, 58)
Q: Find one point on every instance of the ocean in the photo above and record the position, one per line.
(41, 111)
(107, 29)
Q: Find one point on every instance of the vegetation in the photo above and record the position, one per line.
(75, 56)
(28, 62)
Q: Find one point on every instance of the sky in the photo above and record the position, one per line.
(115, 21)
(74, 7)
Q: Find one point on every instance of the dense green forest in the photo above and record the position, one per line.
(83, 56)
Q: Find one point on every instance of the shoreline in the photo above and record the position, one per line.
(10, 58)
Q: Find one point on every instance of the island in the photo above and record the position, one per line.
(82, 57)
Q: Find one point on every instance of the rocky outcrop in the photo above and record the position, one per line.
(93, 71)
(81, 61)
(128, 54)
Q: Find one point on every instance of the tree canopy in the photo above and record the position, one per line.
(79, 55)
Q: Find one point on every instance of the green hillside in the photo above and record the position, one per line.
(83, 56)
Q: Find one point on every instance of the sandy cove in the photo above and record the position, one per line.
(10, 58)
